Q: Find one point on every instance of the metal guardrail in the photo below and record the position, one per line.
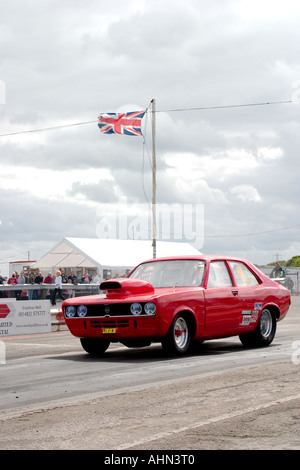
(291, 280)
(84, 288)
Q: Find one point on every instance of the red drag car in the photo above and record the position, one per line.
(177, 301)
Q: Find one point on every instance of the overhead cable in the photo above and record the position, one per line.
(199, 108)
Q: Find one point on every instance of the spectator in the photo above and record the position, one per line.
(12, 280)
(73, 277)
(38, 280)
(21, 280)
(96, 279)
(278, 271)
(86, 278)
(48, 280)
(57, 290)
(64, 279)
(30, 281)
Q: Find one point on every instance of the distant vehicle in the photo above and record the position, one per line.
(178, 301)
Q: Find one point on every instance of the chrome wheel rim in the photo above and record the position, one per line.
(181, 333)
(266, 323)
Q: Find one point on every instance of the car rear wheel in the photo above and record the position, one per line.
(178, 338)
(264, 333)
(94, 346)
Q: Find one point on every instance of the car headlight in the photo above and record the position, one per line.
(136, 308)
(82, 311)
(70, 311)
(150, 308)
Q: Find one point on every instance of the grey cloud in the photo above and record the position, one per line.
(65, 62)
(103, 192)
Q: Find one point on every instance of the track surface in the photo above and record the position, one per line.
(223, 396)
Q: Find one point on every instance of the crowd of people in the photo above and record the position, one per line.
(57, 280)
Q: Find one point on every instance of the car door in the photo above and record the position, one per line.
(222, 303)
(249, 295)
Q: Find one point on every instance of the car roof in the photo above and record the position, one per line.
(198, 257)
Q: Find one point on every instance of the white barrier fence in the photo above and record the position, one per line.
(22, 313)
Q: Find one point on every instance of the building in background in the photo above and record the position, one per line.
(19, 266)
(107, 257)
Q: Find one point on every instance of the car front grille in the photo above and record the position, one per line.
(109, 323)
(108, 310)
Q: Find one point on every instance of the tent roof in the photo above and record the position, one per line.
(92, 252)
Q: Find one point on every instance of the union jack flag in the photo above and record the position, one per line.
(121, 123)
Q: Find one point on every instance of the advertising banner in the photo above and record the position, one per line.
(19, 317)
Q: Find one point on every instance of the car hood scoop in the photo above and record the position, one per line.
(124, 286)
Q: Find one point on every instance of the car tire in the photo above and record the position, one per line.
(94, 346)
(264, 333)
(178, 339)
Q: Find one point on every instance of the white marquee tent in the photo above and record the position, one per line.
(106, 254)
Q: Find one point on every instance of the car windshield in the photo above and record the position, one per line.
(171, 273)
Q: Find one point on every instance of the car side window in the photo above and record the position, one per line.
(242, 275)
(218, 275)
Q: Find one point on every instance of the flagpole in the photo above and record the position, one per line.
(153, 181)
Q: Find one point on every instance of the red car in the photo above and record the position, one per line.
(178, 301)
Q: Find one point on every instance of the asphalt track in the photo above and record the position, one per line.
(223, 396)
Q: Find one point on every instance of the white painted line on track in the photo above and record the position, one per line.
(207, 422)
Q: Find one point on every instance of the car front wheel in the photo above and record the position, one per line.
(94, 346)
(178, 338)
(264, 333)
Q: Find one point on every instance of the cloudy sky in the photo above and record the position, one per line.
(65, 62)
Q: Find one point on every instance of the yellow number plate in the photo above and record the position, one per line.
(109, 331)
